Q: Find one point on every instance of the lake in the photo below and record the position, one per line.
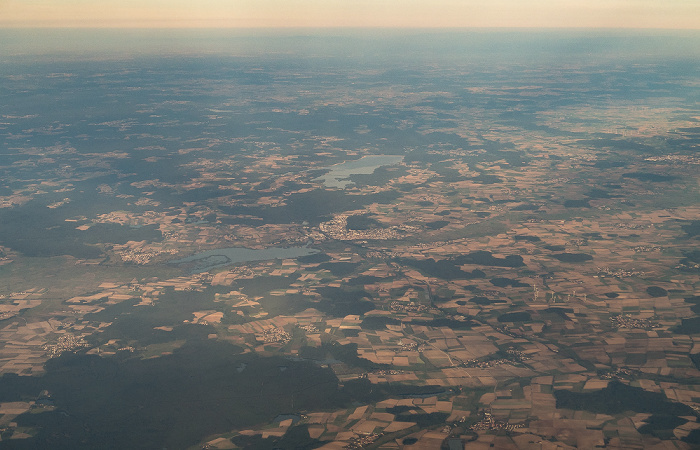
(211, 259)
(339, 173)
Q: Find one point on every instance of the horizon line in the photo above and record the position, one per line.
(335, 27)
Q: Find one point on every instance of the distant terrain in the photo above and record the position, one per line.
(194, 253)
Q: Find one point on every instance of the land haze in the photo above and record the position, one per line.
(182, 265)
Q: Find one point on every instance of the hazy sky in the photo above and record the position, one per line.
(352, 13)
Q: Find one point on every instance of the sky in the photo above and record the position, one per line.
(668, 14)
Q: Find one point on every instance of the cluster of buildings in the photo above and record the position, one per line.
(505, 329)
(337, 228)
(309, 328)
(7, 315)
(382, 254)
(646, 248)
(688, 266)
(684, 159)
(275, 335)
(627, 321)
(620, 372)
(409, 346)
(489, 422)
(513, 355)
(407, 307)
(447, 429)
(484, 364)
(631, 226)
(66, 343)
(361, 440)
(382, 373)
(618, 273)
(140, 256)
(516, 355)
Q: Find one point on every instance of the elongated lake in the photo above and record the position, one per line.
(211, 259)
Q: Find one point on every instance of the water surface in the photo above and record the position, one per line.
(211, 259)
(339, 173)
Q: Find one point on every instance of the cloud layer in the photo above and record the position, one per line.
(679, 14)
